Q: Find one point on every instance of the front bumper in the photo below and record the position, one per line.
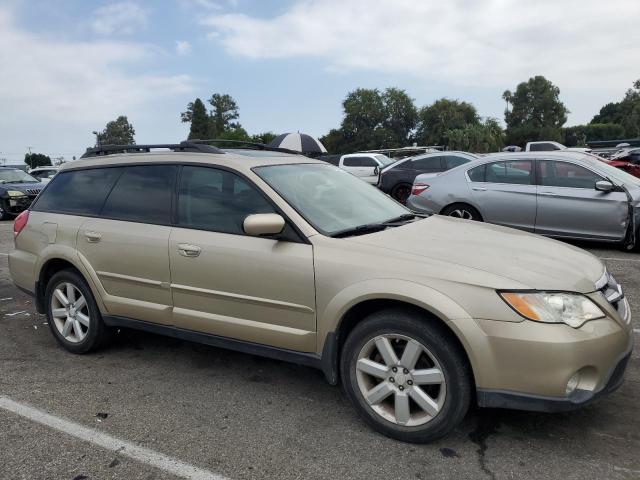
(539, 403)
(15, 205)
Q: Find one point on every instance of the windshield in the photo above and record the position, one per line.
(384, 160)
(16, 176)
(330, 199)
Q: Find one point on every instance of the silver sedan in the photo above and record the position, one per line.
(567, 195)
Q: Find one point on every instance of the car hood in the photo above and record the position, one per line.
(531, 260)
(22, 186)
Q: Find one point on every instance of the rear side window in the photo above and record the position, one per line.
(217, 200)
(477, 174)
(142, 194)
(78, 192)
(453, 161)
(427, 164)
(514, 172)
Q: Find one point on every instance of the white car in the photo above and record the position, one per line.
(550, 146)
(365, 166)
(44, 174)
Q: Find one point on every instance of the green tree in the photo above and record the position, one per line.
(363, 113)
(37, 160)
(264, 137)
(225, 110)
(116, 132)
(536, 112)
(442, 116)
(579, 135)
(483, 137)
(400, 118)
(197, 115)
(625, 113)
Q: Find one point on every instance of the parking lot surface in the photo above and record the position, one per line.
(150, 407)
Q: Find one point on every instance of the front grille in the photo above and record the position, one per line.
(32, 192)
(612, 292)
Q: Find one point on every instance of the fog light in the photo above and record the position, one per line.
(572, 384)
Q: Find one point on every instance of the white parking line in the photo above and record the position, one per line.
(140, 454)
(620, 259)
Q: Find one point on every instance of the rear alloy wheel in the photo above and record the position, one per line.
(74, 317)
(401, 192)
(461, 210)
(405, 375)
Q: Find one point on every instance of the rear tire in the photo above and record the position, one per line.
(72, 313)
(419, 390)
(462, 210)
(401, 192)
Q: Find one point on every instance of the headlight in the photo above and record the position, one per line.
(16, 193)
(573, 309)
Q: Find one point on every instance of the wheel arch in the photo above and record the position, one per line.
(462, 203)
(431, 305)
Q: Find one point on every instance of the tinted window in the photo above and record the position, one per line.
(453, 161)
(477, 174)
(211, 199)
(142, 194)
(368, 162)
(426, 164)
(564, 174)
(543, 147)
(516, 171)
(351, 162)
(80, 192)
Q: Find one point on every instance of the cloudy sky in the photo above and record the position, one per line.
(69, 66)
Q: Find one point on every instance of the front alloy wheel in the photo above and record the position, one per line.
(405, 388)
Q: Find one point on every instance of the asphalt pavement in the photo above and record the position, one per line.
(150, 407)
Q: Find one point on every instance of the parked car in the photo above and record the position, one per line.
(568, 195)
(44, 174)
(627, 160)
(292, 258)
(397, 178)
(17, 191)
(550, 146)
(365, 166)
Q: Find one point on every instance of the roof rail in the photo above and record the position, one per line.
(186, 146)
(250, 145)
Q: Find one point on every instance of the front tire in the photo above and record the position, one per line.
(72, 313)
(405, 376)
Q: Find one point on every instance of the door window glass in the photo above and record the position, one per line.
(452, 161)
(427, 164)
(142, 194)
(367, 162)
(351, 162)
(516, 172)
(477, 174)
(565, 174)
(217, 200)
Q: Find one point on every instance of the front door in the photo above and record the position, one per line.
(226, 283)
(505, 193)
(570, 206)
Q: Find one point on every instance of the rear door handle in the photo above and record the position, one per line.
(548, 194)
(187, 250)
(92, 237)
(479, 189)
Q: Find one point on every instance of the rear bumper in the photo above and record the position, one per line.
(521, 401)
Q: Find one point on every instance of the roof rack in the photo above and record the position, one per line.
(187, 146)
(250, 145)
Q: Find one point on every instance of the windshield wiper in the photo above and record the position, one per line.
(401, 218)
(359, 230)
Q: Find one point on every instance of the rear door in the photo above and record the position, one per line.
(505, 192)
(570, 206)
(126, 246)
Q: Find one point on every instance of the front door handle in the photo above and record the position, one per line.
(479, 189)
(187, 250)
(92, 237)
(548, 194)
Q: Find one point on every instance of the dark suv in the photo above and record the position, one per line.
(17, 190)
(397, 179)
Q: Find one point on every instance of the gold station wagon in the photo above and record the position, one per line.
(280, 255)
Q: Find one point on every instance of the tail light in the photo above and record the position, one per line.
(418, 188)
(20, 222)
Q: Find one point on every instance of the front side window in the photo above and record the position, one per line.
(431, 164)
(565, 174)
(515, 172)
(78, 192)
(330, 199)
(368, 162)
(217, 200)
(142, 194)
(351, 162)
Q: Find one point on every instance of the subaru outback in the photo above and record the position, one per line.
(276, 254)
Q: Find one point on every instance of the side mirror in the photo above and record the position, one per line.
(376, 170)
(263, 224)
(604, 186)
